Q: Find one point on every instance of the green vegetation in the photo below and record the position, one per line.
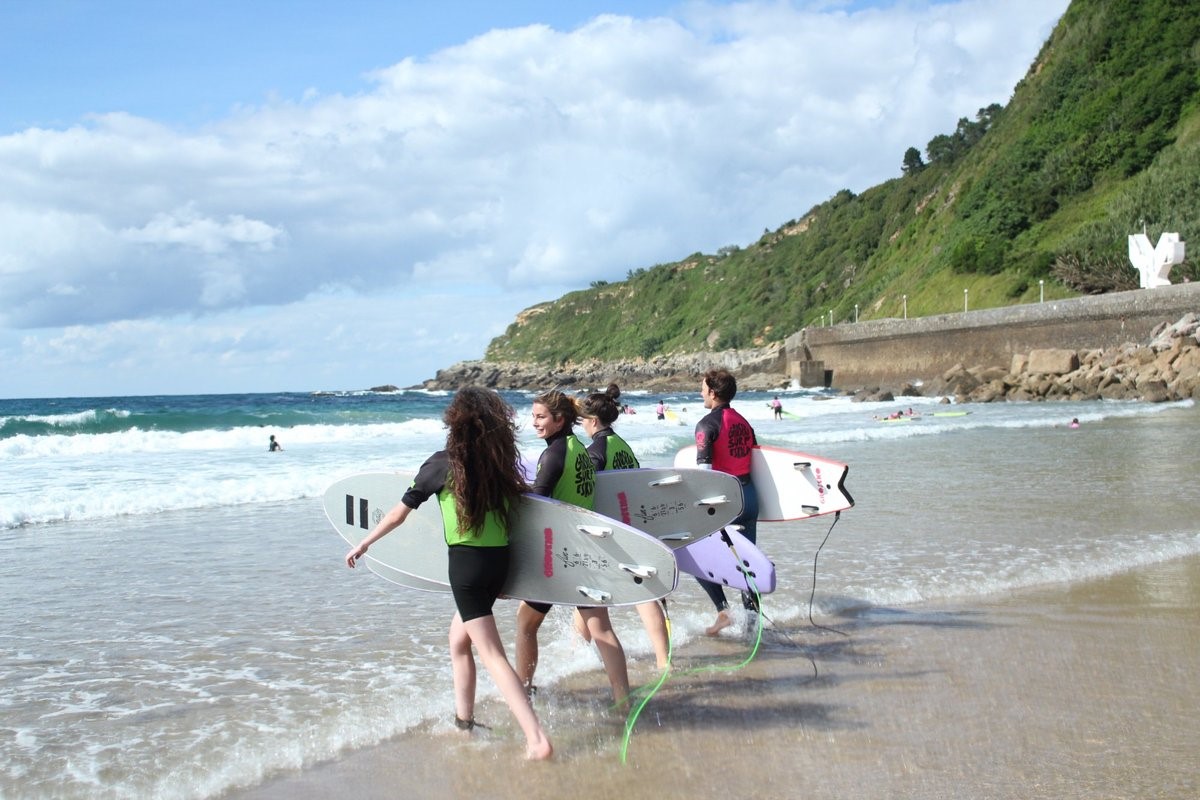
(1100, 140)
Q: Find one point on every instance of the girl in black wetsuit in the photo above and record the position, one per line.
(478, 473)
(725, 442)
(565, 472)
(610, 451)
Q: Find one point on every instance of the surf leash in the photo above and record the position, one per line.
(648, 691)
(652, 689)
(836, 516)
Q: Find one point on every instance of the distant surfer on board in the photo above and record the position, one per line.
(724, 441)
(477, 483)
(565, 472)
(610, 451)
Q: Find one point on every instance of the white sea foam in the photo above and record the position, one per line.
(181, 654)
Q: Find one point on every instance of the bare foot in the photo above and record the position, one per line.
(723, 622)
(540, 750)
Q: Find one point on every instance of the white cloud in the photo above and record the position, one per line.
(515, 166)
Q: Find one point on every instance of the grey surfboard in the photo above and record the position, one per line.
(677, 505)
(561, 553)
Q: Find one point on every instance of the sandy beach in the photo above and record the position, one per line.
(1071, 691)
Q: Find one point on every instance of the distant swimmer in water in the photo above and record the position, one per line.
(1075, 422)
(274, 445)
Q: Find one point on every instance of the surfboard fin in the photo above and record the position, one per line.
(681, 536)
(668, 481)
(802, 465)
(810, 509)
(596, 530)
(715, 500)
(639, 570)
(596, 595)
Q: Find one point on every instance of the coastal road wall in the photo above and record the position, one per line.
(890, 352)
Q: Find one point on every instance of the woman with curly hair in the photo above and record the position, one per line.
(477, 482)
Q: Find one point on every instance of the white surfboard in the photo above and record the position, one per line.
(676, 505)
(791, 485)
(561, 553)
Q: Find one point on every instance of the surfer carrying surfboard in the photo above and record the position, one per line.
(565, 472)
(477, 483)
(725, 441)
(609, 451)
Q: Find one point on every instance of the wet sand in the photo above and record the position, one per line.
(1081, 691)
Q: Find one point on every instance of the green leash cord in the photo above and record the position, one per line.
(652, 689)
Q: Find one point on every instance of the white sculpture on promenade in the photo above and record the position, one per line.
(1153, 263)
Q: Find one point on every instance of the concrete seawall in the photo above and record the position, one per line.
(891, 352)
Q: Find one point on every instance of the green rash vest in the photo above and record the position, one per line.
(432, 479)
(611, 451)
(566, 462)
(494, 534)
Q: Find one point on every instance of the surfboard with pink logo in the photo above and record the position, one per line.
(677, 505)
(791, 485)
(560, 553)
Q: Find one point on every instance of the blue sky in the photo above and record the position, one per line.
(267, 196)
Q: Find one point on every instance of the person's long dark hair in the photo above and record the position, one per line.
(485, 471)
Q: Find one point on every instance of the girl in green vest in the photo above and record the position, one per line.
(610, 451)
(565, 472)
(477, 482)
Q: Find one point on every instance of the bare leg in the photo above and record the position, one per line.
(528, 622)
(611, 652)
(581, 626)
(655, 623)
(462, 664)
(483, 634)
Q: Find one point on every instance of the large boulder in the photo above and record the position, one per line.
(1053, 362)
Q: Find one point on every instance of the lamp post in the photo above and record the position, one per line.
(965, 300)
(856, 312)
(904, 297)
(1041, 291)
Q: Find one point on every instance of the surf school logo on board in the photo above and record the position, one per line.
(582, 560)
(652, 512)
(820, 485)
(548, 552)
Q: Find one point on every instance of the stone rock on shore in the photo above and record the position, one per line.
(763, 369)
(1164, 369)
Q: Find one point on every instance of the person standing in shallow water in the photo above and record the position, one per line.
(273, 445)
(725, 442)
(610, 451)
(565, 472)
(478, 482)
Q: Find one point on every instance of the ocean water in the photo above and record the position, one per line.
(178, 622)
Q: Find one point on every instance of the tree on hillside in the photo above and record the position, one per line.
(912, 161)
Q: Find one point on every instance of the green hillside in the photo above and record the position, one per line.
(1100, 139)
